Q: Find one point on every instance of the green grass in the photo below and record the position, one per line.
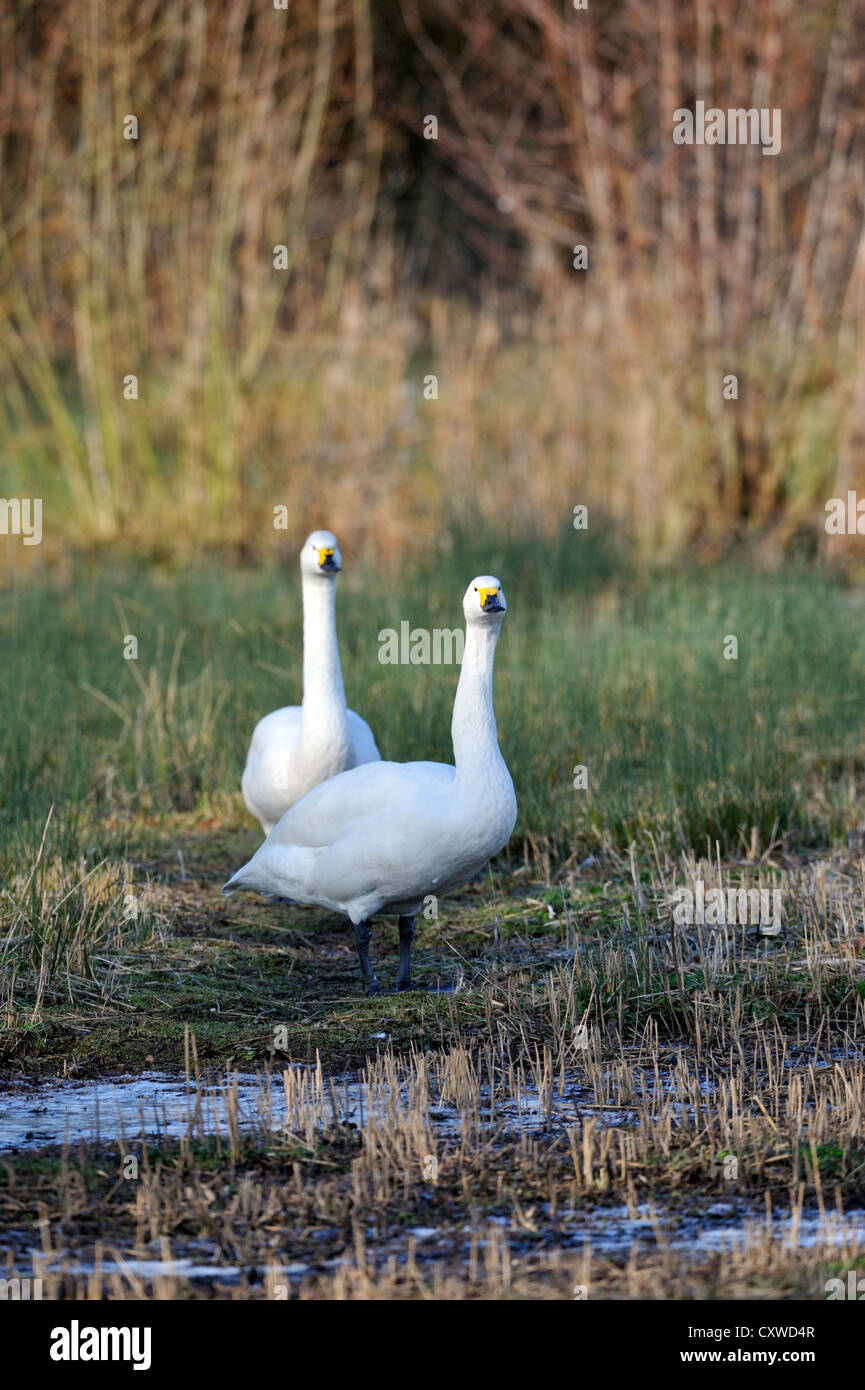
(120, 776)
(625, 677)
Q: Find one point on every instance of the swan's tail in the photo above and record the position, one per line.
(236, 881)
(248, 878)
(280, 872)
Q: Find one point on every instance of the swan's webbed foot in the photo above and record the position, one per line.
(362, 935)
(406, 932)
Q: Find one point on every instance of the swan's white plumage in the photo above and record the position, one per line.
(385, 835)
(276, 775)
(295, 748)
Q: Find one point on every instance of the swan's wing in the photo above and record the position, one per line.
(280, 729)
(268, 763)
(344, 804)
(365, 750)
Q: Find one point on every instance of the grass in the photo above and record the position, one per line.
(443, 1193)
(625, 677)
(120, 817)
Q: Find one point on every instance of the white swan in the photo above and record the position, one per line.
(381, 838)
(295, 748)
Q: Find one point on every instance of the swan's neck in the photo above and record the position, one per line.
(473, 729)
(324, 712)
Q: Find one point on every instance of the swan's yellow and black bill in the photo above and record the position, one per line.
(325, 558)
(490, 601)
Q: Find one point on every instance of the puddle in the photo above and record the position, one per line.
(126, 1108)
(185, 1268)
(722, 1226)
(613, 1232)
(158, 1104)
(172, 1106)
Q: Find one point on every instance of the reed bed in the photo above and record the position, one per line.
(300, 376)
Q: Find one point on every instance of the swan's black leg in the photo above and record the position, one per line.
(406, 932)
(362, 935)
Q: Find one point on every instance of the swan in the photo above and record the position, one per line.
(383, 837)
(295, 748)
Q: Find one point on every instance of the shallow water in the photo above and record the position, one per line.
(171, 1106)
(722, 1226)
(610, 1231)
(123, 1108)
(157, 1104)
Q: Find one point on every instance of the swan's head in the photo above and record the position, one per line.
(320, 554)
(484, 601)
